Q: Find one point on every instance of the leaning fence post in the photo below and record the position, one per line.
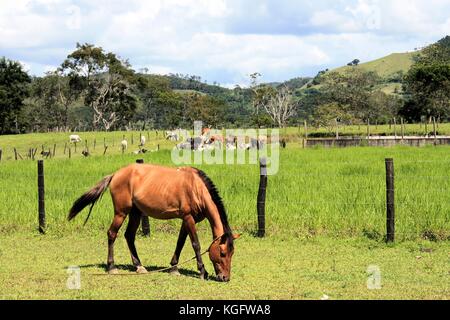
(145, 223)
(390, 200)
(261, 201)
(41, 194)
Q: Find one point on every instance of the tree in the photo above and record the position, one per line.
(106, 82)
(351, 90)
(354, 62)
(51, 97)
(13, 90)
(427, 83)
(326, 115)
(280, 106)
(150, 91)
(204, 108)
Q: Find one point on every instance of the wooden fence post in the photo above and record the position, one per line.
(395, 128)
(402, 128)
(41, 195)
(1, 152)
(261, 201)
(368, 129)
(337, 129)
(15, 154)
(305, 140)
(390, 200)
(434, 131)
(145, 223)
(54, 149)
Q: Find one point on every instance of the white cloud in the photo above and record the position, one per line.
(221, 40)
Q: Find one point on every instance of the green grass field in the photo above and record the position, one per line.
(35, 267)
(325, 225)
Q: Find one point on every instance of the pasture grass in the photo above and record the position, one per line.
(331, 192)
(325, 224)
(35, 267)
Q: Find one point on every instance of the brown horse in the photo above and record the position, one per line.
(165, 193)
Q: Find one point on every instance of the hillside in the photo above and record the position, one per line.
(388, 66)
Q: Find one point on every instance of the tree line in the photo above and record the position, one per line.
(97, 90)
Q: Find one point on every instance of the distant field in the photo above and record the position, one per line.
(24, 142)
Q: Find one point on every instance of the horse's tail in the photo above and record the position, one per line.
(89, 198)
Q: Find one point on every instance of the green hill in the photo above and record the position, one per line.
(387, 66)
(391, 69)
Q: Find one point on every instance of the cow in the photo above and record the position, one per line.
(74, 138)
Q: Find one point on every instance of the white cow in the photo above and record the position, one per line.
(74, 138)
(172, 136)
(142, 141)
(124, 144)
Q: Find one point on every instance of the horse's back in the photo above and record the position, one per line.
(158, 191)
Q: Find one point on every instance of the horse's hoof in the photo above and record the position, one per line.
(113, 271)
(204, 276)
(175, 272)
(141, 270)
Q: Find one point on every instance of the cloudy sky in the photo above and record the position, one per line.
(221, 40)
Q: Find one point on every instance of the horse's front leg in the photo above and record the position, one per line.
(180, 244)
(189, 222)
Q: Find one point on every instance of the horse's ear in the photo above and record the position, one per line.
(236, 236)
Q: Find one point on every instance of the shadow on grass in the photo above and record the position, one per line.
(132, 269)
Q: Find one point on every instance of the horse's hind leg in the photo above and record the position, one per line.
(130, 236)
(119, 217)
(180, 244)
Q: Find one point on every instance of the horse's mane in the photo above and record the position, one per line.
(218, 202)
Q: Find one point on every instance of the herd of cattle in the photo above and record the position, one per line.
(209, 141)
(206, 141)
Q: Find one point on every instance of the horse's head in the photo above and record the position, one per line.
(220, 253)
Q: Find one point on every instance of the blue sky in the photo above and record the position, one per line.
(221, 40)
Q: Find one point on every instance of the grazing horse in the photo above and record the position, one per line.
(165, 193)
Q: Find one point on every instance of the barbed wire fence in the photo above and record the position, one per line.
(380, 196)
